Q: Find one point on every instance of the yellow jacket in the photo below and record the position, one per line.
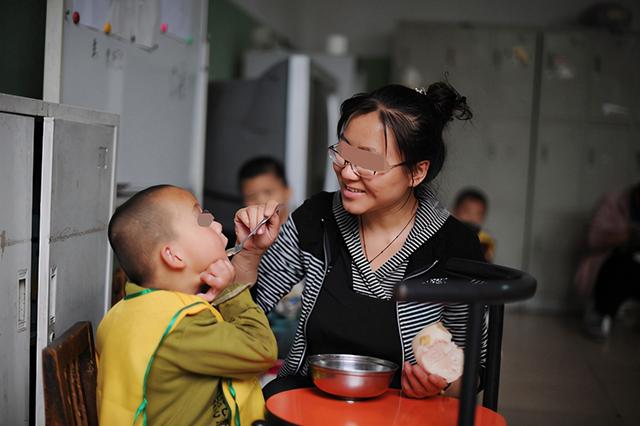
(128, 340)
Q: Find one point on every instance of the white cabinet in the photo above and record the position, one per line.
(56, 192)
(16, 181)
(79, 182)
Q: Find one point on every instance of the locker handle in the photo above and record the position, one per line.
(103, 158)
(22, 300)
(53, 291)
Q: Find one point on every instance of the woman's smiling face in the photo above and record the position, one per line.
(382, 191)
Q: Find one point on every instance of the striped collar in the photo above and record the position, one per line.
(430, 217)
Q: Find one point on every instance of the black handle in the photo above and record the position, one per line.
(470, 281)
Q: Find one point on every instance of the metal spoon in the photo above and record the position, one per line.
(239, 246)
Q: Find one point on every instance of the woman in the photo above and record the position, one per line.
(355, 245)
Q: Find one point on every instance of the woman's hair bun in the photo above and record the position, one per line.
(447, 102)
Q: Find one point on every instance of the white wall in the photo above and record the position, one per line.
(369, 24)
(159, 93)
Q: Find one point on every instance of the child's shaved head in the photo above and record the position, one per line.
(137, 227)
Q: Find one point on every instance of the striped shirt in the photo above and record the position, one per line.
(286, 262)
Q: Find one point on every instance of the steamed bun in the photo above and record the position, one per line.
(437, 354)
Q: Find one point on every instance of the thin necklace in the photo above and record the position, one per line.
(364, 242)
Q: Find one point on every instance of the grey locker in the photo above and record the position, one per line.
(16, 168)
(77, 195)
(494, 68)
(587, 135)
(492, 156)
(609, 162)
(436, 50)
(564, 92)
(505, 179)
(79, 216)
(509, 87)
(586, 147)
(558, 223)
(558, 168)
(613, 77)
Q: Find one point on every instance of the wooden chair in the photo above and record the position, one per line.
(70, 374)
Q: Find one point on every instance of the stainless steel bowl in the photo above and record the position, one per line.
(351, 376)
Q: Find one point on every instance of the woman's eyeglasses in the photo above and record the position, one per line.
(363, 172)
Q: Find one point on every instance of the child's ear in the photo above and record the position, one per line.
(171, 258)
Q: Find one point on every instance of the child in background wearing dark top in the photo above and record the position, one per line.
(262, 179)
(471, 207)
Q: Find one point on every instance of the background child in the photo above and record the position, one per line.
(471, 207)
(262, 179)
(165, 355)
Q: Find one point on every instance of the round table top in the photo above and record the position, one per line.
(310, 406)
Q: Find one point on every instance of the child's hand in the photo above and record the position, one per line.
(218, 276)
(247, 218)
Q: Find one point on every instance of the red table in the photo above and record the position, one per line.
(310, 407)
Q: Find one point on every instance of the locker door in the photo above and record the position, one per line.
(508, 84)
(431, 50)
(16, 175)
(613, 78)
(557, 222)
(494, 158)
(75, 259)
(494, 69)
(565, 76)
(610, 162)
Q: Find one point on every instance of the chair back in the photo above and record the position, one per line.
(479, 284)
(70, 375)
(494, 357)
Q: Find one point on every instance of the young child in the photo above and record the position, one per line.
(262, 179)
(471, 207)
(165, 355)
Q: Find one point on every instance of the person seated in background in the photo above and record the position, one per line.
(609, 274)
(261, 179)
(166, 355)
(471, 207)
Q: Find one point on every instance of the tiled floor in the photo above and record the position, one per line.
(553, 375)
